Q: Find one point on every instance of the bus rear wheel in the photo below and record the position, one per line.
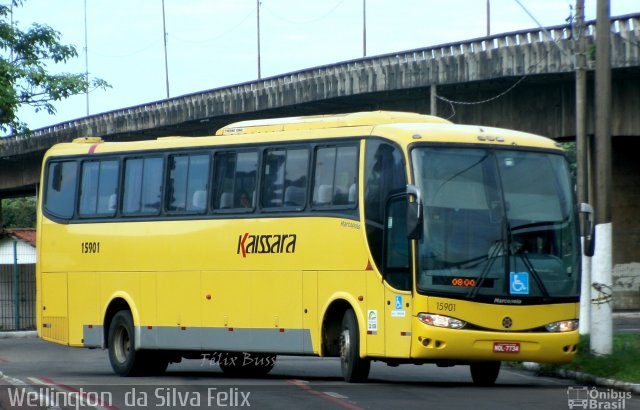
(485, 373)
(124, 358)
(354, 368)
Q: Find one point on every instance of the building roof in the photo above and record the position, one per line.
(24, 234)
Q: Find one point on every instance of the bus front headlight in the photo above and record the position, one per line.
(441, 321)
(562, 326)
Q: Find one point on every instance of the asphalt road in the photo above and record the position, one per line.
(34, 370)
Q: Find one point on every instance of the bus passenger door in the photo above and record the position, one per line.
(396, 271)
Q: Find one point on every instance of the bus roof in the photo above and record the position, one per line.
(356, 119)
(401, 127)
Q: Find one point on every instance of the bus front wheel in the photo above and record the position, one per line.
(124, 358)
(354, 368)
(484, 373)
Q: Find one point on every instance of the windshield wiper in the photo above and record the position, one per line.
(491, 257)
(535, 274)
(536, 224)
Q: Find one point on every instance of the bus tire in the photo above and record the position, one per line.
(247, 364)
(485, 373)
(124, 359)
(354, 368)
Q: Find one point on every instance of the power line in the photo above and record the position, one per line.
(288, 20)
(544, 29)
(218, 36)
(487, 100)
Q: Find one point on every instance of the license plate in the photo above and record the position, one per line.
(506, 347)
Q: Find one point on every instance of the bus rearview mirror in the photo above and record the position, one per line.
(589, 235)
(414, 213)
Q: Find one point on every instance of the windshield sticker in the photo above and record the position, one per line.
(372, 321)
(519, 283)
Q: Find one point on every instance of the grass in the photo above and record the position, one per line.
(622, 364)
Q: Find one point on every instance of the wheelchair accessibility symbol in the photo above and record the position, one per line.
(519, 283)
(398, 302)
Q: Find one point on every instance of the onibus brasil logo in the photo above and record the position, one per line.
(583, 397)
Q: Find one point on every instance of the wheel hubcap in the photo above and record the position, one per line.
(345, 346)
(122, 344)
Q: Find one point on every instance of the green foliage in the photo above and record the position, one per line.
(24, 77)
(19, 212)
(591, 53)
(570, 149)
(622, 364)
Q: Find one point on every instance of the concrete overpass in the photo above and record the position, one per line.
(522, 80)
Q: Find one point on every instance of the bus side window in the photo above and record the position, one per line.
(246, 176)
(335, 178)
(295, 178)
(285, 178)
(187, 184)
(273, 178)
(323, 177)
(98, 188)
(60, 193)
(142, 186)
(345, 176)
(234, 180)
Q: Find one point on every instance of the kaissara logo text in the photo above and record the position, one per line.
(279, 243)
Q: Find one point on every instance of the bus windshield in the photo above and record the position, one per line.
(499, 225)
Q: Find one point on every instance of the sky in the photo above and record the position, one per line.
(214, 43)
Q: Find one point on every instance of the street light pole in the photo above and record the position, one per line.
(164, 36)
(86, 56)
(488, 18)
(258, 32)
(364, 28)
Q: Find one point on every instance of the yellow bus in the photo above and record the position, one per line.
(371, 236)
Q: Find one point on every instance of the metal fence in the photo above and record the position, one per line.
(17, 294)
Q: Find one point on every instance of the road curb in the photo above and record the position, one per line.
(18, 334)
(588, 378)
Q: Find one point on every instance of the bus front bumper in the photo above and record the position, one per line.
(435, 343)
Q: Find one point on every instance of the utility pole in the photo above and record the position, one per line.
(488, 18)
(164, 36)
(258, 32)
(433, 98)
(364, 28)
(601, 309)
(582, 156)
(86, 56)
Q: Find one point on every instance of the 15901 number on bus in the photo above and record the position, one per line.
(447, 307)
(90, 247)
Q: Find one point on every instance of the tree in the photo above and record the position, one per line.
(24, 78)
(570, 150)
(18, 212)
